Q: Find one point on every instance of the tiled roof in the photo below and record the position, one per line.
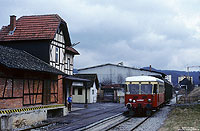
(17, 59)
(72, 50)
(34, 27)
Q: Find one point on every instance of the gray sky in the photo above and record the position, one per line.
(165, 34)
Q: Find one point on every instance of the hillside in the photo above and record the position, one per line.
(175, 74)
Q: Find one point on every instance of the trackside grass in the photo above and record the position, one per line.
(185, 118)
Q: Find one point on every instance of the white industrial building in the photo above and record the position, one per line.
(116, 74)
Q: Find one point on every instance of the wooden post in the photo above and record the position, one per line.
(86, 102)
(68, 84)
(65, 91)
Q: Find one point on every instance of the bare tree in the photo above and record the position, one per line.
(120, 79)
(106, 81)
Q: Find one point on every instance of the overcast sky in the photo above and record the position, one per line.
(165, 34)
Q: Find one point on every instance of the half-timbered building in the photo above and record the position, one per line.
(36, 68)
(44, 36)
(29, 88)
(26, 80)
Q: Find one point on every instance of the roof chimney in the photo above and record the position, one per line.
(150, 68)
(12, 22)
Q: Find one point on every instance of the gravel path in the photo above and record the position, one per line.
(156, 121)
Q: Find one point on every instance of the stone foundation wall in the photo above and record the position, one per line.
(20, 120)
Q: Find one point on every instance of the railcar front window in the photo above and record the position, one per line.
(146, 89)
(133, 88)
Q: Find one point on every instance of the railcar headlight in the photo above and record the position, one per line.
(134, 101)
(130, 100)
(149, 100)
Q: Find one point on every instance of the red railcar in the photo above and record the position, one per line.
(144, 93)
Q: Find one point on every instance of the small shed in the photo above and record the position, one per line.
(113, 93)
(186, 84)
(92, 86)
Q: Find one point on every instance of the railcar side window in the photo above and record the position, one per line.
(161, 89)
(146, 89)
(133, 88)
(155, 89)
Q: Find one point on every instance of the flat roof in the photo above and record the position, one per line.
(143, 79)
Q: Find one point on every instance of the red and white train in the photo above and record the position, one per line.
(144, 94)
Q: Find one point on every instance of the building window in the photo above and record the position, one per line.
(79, 91)
(57, 54)
(68, 65)
(92, 92)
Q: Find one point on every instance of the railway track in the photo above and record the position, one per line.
(140, 124)
(129, 124)
(117, 122)
(60, 125)
(74, 124)
(102, 124)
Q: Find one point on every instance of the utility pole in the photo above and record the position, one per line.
(188, 68)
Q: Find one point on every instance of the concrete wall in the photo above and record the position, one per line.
(20, 120)
(115, 74)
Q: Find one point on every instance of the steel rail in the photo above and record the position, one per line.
(140, 123)
(100, 122)
(119, 123)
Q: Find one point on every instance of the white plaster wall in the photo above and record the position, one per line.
(81, 98)
(78, 98)
(93, 97)
(63, 56)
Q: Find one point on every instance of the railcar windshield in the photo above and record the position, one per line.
(133, 88)
(146, 89)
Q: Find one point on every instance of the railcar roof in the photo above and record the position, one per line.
(143, 78)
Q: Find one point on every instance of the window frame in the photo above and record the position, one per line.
(57, 55)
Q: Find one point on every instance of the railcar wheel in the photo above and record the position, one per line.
(148, 112)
